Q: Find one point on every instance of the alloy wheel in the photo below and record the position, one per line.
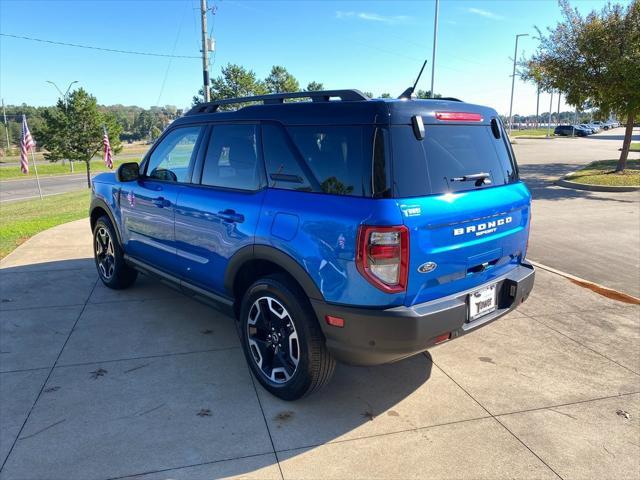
(105, 253)
(273, 340)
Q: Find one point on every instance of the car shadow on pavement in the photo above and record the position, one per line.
(167, 378)
(540, 178)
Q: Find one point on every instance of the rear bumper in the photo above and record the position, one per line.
(373, 336)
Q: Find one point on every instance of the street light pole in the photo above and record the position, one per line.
(549, 118)
(513, 79)
(435, 44)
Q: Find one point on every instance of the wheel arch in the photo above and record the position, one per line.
(253, 261)
(98, 209)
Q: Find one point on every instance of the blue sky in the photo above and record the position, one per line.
(374, 46)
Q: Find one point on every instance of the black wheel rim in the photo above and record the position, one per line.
(105, 254)
(273, 340)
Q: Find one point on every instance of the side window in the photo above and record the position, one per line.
(232, 158)
(338, 156)
(170, 160)
(283, 169)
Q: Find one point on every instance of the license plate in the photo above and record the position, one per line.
(481, 302)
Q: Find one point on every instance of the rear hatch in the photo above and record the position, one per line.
(461, 199)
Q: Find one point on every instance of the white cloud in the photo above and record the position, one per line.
(484, 13)
(372, 17)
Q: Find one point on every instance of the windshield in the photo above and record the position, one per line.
(451, 158)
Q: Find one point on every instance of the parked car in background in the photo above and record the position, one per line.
(570, 131)
(335, 229)
(594, 127)
(588, 128)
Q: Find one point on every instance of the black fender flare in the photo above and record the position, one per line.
(271, 254)
(97, 202)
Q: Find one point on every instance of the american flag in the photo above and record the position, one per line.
(26, 144)
(108, 161)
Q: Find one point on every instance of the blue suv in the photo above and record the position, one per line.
(339, 228)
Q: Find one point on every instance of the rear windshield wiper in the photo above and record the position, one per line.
(480, 178)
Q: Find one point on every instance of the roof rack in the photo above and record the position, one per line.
(277, 98)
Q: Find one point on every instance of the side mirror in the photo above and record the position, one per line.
(128, 172)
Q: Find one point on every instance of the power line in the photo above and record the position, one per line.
(88, 47)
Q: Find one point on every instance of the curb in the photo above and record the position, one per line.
(563, 182)
(594, 287)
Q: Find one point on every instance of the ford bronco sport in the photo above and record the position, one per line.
(340, 228)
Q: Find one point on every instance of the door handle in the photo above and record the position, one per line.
(231, 216)
(161, 202)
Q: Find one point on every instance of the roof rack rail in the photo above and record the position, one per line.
(277, 98)
(451, 99)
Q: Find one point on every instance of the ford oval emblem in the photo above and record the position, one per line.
(427, 267)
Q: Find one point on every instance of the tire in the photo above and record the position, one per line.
(109, 257)
(282, 341)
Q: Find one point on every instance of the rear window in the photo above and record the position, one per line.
(447, 154)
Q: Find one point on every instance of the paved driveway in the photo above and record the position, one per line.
(594, 235)
(148, 384)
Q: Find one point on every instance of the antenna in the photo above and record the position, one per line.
(408, 93)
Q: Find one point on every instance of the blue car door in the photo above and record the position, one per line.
(218, 214)
(148, 204)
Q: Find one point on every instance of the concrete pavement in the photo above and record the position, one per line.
(148, 384)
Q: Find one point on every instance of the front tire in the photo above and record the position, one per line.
(282, 341)
(109, 257)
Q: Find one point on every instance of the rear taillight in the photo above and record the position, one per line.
(459, 116)
(383, 256)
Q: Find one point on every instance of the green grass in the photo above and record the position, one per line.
(10, 172)
(634, 147)
(531, 132)
(602, 173)
(21, 220)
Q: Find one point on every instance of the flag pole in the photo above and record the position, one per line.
(35, 169)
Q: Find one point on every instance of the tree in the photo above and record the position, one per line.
(427, 94)
(314, 87)
(385, 95)
(235, 81)
(593, 59)
(75, 130)
(280, 81)
(368, 94)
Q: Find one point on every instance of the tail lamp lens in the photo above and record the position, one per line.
(383, 256)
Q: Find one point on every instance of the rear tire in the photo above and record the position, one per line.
(282, 341)
(109, 257)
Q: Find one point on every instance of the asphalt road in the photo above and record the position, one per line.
(22, 189)
(594, 235)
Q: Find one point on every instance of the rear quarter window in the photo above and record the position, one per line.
(339, 157)
(447, 153)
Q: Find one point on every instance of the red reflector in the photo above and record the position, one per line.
(442, 338)
(384, 251)
(459, 116)
(334, 321)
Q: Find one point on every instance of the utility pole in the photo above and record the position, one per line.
(6, 126)
(559, 97)
(513, 79)
(435, 44)
(549, 119)
(205, 51)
